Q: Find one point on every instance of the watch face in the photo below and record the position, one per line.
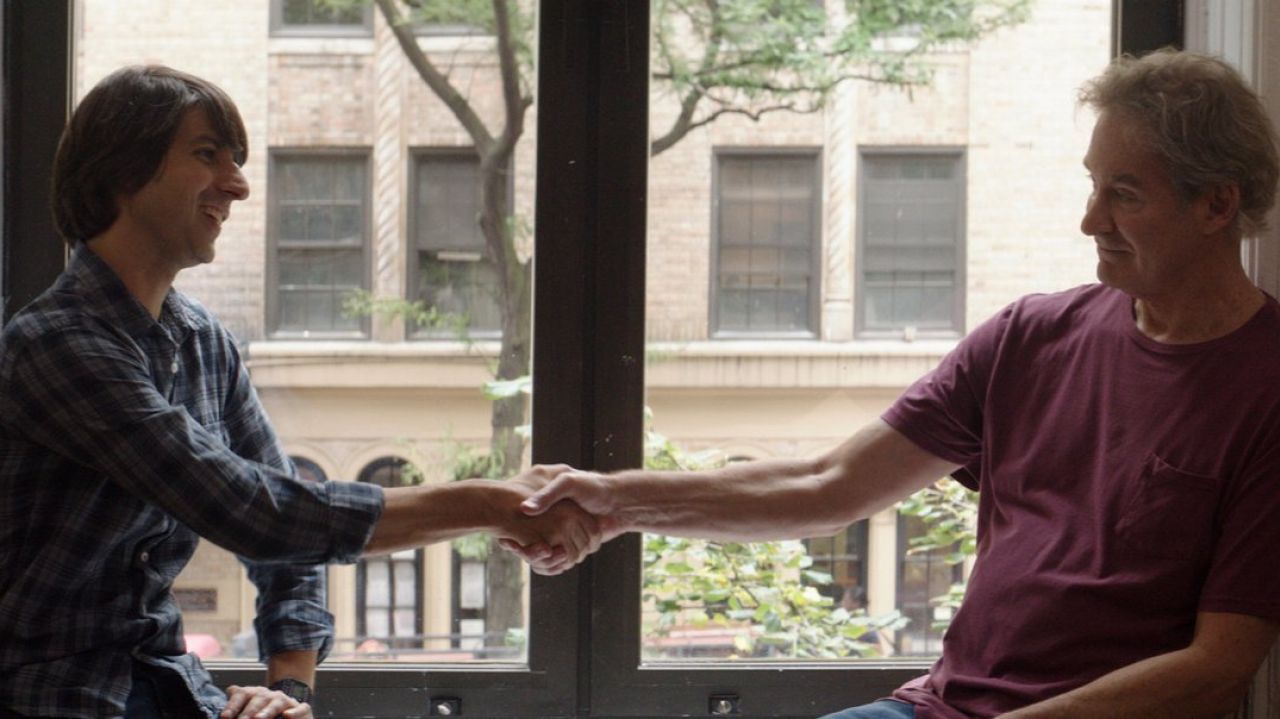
(293, 689)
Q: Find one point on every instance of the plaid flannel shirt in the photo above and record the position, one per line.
(122, 438)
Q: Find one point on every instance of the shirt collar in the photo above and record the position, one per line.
(105, 294)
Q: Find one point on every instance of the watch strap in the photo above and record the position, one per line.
(294, 689)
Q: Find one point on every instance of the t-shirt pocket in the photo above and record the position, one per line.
(1169, 512)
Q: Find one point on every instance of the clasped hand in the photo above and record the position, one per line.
(564, 515)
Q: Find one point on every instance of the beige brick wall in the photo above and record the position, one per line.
(1009, 101)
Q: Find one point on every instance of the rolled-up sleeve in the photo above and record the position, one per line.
(101, 403)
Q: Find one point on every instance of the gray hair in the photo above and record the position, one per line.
(1200, 116)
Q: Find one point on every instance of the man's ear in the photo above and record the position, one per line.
(1221, 205)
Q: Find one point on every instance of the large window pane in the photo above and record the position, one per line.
(364, 211)
(842, 251)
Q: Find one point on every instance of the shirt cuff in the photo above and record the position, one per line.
(354, 509)
(294, 625)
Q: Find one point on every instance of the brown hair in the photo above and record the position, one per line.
(119, 135)
(1201, 117)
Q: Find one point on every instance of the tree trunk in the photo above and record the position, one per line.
(504, 608)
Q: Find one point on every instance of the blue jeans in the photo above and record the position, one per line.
(156, 695)
(883, 709)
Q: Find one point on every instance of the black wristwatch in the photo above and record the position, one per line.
(294, 689)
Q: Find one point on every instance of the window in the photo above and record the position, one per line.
(318, 243)
(587, 624)
(313, 17)
(911, 243)
(470, 631)
(389, 586)
(449, 269)
(309, 470)
(844, 557)
(766, 244)
(924, 580)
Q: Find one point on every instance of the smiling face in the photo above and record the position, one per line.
(1150, 239)
(178, 214)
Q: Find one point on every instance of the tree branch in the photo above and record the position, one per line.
(513, 103)
(435, 80)
(680, 126)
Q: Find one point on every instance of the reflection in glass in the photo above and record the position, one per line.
(816, 243)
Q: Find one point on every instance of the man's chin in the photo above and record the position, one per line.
(205, 253)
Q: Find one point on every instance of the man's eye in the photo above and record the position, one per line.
(207, 154)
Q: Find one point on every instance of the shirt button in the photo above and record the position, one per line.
(144, 557)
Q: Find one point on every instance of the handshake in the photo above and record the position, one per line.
(555, 516)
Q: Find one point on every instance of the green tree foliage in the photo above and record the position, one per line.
(765, 594)
(753, 57)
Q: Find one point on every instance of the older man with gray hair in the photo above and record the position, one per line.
(1124, 438)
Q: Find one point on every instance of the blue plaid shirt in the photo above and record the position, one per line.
(122, 438)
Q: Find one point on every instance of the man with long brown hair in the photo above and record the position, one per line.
(129, 428)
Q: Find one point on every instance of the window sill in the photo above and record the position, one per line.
(774, 364)
(743, 364)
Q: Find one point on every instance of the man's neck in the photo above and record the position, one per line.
(1199, 312)
(146, 281)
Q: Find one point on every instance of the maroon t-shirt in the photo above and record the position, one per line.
(1125, 485)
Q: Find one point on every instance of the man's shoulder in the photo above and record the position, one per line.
(1083, 298)
(1079, 309)
(52, 312)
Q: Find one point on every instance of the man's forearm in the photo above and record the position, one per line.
(773, 499)
(417, 516)
(762, 500)
(1177, 685)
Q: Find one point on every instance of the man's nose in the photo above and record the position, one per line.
(234, 183)
(1097, 218)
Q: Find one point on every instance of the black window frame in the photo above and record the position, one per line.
(584, 649)
(277, 155)
(814, 307)
(959, 293)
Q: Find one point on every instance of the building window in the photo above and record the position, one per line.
(451, 270)
(313, 17)
(844, 557)
(308, 470)
(924, 579)
(469, 600)
(766, 230)
(389, 599)
(911, 244)
(318, 247)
